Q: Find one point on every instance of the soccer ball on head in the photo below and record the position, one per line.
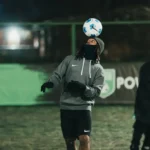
(92, 27)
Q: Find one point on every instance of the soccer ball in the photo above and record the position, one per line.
(92, 27)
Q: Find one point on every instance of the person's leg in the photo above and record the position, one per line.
(137, 134)
(146, 143)
(70, 143)
(84, 129)
(68, 129)
(84, 142)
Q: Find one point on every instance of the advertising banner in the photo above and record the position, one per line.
(20, 84)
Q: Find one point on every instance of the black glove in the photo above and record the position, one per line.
(75, 86)
(46, 85)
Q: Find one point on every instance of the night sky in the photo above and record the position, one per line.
(40, 10)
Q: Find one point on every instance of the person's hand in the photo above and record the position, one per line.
(75, 86)
(46, 85)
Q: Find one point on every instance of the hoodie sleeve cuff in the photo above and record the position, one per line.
(91, 92)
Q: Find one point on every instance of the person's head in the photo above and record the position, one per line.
(91, 41)
(91, 49)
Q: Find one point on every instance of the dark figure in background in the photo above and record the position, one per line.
(142, 110)
(83, 78)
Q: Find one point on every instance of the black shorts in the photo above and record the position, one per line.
(75, 123)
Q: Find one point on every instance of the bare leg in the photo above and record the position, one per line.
(84, 142)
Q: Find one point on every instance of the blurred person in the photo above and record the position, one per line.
(142, 110)
(83, 78)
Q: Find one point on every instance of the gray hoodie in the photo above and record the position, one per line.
(82, 70)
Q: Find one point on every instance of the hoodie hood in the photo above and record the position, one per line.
(100, 43)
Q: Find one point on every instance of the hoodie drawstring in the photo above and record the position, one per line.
(90, 68)
(83, 67)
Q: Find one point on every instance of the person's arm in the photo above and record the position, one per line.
(94, 91)
(142, 76)
(60, 72)
(143, 80)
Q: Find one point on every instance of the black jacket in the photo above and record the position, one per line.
(142, 103)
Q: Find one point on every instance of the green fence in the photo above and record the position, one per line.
(124, 41)
(130, 29)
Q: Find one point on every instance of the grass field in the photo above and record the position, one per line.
(38, 128)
